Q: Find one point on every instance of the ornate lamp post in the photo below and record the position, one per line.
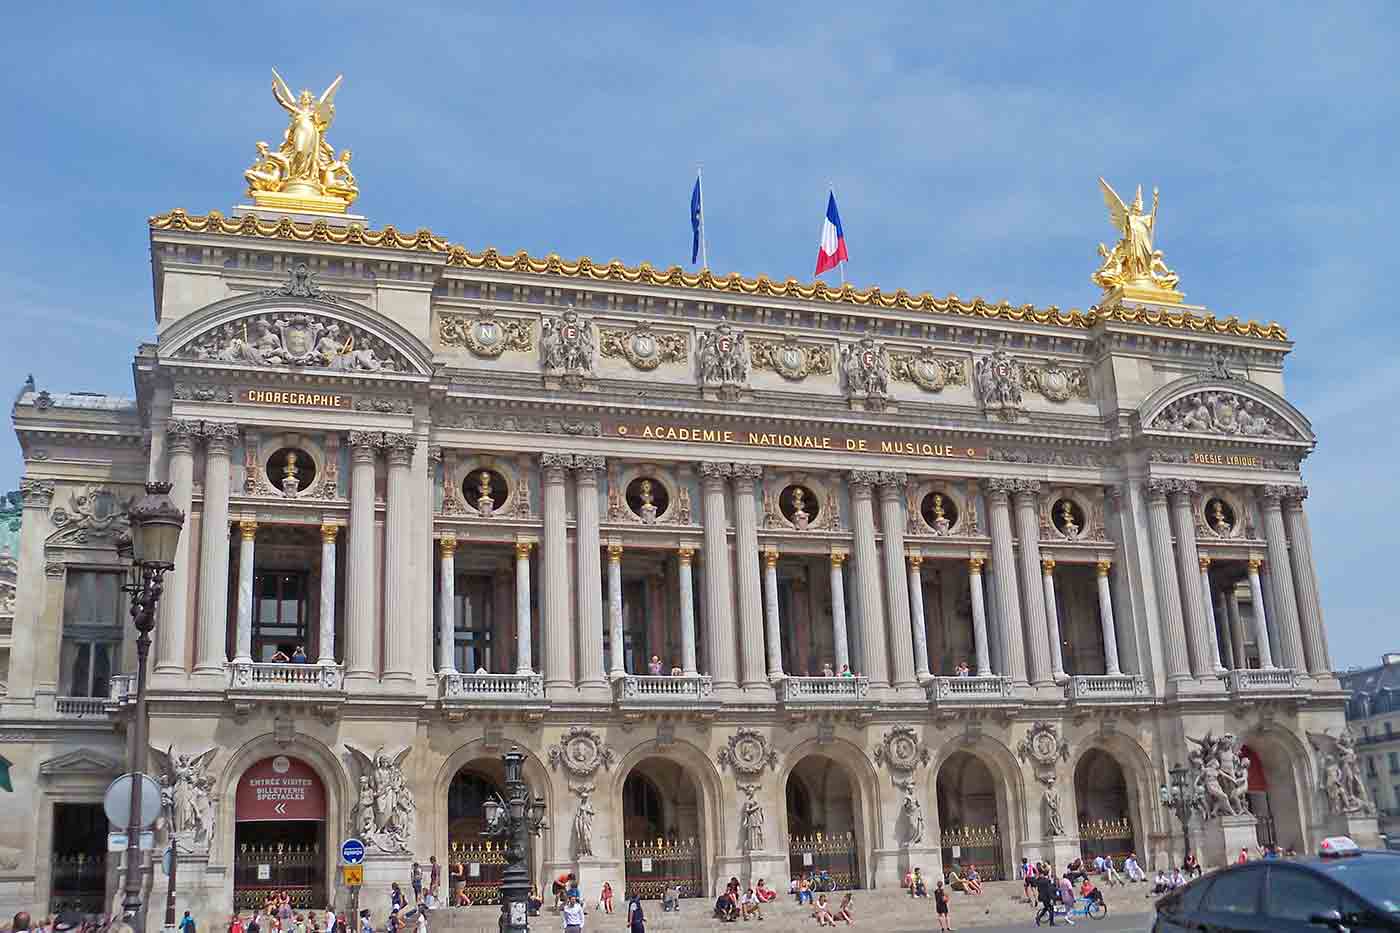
(514, 820)
(1180, 797)
(155, 532)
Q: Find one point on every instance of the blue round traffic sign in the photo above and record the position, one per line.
(352, 852)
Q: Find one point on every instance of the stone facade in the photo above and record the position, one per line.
(584, 466)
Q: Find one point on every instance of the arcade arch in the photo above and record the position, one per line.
(822, 804)
(280, 834)
(974, 815)
(1103, 807)
(663, 821)
(1277, 789)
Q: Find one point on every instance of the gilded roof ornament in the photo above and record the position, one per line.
(303, 174)
(1134, 268)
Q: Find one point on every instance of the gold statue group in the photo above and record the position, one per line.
(304, 174)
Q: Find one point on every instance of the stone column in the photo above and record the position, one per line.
(213, 551)
(1193, 605)
(398, 561)
(172, 630)
(360, 612)
(243, 632)
(1305, 581)
(684, 556)
(916, 616)
(447, 605)
(1033, 620)
(872, 607)
(1052, 621)
(1225, 631)
(1110, 632)
(892, 522)
(1008, 600)
(555, 626)
(1284, 602)
(749, 594)
(327, 607)
(1165, 579)
(1232, 612)
(1208, 599)
(719, 597)
(838, 610)
(1261, 624)
(770, 614)
(979, 616)
(617, 667)
(589, 582)
(524, 663)
(36, 496)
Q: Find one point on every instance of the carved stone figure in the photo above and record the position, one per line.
(389, 822)
(485, 503)
(647, 510)
(800, 518)
(1341, 774)
(683, 505)
(298, 340)
(1219, 522)
(1221, 413)
(303, 172)
(866, 365)
(191, 811)
(566, 345)
(724, 358)
(901, 750)
(582, 752)
(748, 752)
(1133, 262)
(999, 379)
(583, 821)
(1221, 774)
(1054, 821)
(751, 819)
(912, 812)
(1068, 525)
(1043, 744)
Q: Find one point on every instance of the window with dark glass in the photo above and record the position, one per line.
(1235, 892)
(280, 605)
(1298, 895)
(473, 634)
(92, 632)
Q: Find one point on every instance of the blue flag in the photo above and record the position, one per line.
(695, 222)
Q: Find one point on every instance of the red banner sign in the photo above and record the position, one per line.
(280, 788)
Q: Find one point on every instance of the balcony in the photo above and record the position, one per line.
(985, 690)
(459, 688)
(81, 707)
(121, 690)
(657, 692)
(319, 685)
(823, 691)
(1106, 689)
(1251, 682)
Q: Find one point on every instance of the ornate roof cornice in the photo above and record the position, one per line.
(491, 260)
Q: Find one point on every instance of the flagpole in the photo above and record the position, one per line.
(700, 180)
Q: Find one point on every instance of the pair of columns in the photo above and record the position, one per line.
(561, 648)
(243, 638)
(447, 607)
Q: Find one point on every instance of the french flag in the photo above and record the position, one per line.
(832, 251)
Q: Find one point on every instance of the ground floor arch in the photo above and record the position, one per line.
(974, 816)
(1104, 807)
(663, 829)
(280, 834)
(822, 801)
(1275, 795)
(475, 864)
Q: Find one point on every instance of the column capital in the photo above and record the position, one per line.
(715, 470)
(554, 465)
(915, 560)
(862, 479)
(685, 554)
(398, 447)
(447, 545)
(586, 465)
(1295, 496)
(749, 472)
(1047, 565)
(363, 444)
(522, 549)
(248, 528)
(36, 493)
(892, 482)
(1116, 492)
(614, 553)
(974, 564)
(328, 533)
(180, 435)
(997, 488)
(1255, 565)
(1102, 567)
(838, 559)
(219, 436)
(1159, 489)
(1204, 562)
(1025, 487)
(770, 557)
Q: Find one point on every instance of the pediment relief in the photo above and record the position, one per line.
(80, 761)
(1214, 407)
(92, 517)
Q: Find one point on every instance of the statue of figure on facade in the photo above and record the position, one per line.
(751, 819)
(485, 503)
(387, 818)
(648, 506)
(1067, 523)
(724, 358)
(1134, 262)
(867, 367)
(999, 379)
(190, 813)
(566, 345)
(1341, 774)
(1054, 821)
(800, 518)
(913, 813)
(940, 517)
(583, 821)
(304, 171)
(1222, 775)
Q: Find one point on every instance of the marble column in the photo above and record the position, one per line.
(172, 630)
(684, 558)
(1008, 599)
(556, 628)
(979, 616)
(447, 605)
(1225, 630)
(213, 550)
(327, 606)
(589, 582)
(1193, 605)
(719, 596)
(1052, 621)
(1110, 631)
(1256, 614)
(873, 657)
(749, 593)
(1305, 581)
(524, 662)
(243, 633)
(1207, 597)
(616, 667)
(773, 625)
(1164, 578)
(1232, 612)
(360, 608)
(1284, 602)
(398, 561)
(916, 616)
(838, 610)
(892, 522)
(1034, 626)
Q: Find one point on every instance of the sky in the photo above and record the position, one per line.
(964, 142)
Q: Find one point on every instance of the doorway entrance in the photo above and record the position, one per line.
(661, 828)
(279, 835)
(821, 811)
(78, 863)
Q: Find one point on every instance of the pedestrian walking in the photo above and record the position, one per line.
(415, 878)
(1047, 892)
(434, 876)
(636, 917)
(940, 908)
(187, 923)
(573, 916)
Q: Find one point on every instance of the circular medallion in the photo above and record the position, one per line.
(281, 764)
(928, 374)
(1068, 518)
(1054, 385)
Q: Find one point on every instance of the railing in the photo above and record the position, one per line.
(978, 689)
(121, 689)
(475, 871)
(651, 866)
(458, 686)
(1270, 680)
(1091, 687)
(823, 690)
(260, 677)
(660, 688)
(80, 706)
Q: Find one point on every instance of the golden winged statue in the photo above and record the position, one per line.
(1133, 267)
(303, 173)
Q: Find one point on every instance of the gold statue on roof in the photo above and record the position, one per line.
(1134, 268)
(303, 173)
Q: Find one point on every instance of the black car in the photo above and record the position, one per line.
(1353, 890)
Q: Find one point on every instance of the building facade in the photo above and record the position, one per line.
(762, 577)
(1373, 715)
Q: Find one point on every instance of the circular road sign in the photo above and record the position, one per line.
(117, 801)
(352, 851)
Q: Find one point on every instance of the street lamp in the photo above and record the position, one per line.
(150, 549)
(514, 820)
(1180, 797)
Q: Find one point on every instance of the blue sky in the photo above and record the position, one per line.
(964, 141)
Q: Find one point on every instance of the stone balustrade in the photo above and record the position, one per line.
(121, 689)
(1262, 682)
(823, 691)
(1094, 689)
(81, 706)
(454, 686)
(661, 689)
(984, 689)
(283, 678)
